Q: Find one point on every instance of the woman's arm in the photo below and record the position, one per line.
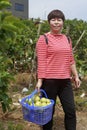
(75, 74)
(41, 50)
(39, 84)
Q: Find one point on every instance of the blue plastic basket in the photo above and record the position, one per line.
(37, 115)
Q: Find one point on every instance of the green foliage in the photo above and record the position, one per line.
(45, 27)
(4, 4)
(5, 100)
(22, 51)
(7, 35)
(5, 78)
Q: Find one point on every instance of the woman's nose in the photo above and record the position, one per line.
(56, 21)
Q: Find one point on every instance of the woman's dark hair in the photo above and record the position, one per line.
(56, 14)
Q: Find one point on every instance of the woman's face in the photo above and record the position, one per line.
(56, 25)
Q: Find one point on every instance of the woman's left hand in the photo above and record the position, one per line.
(77, 82)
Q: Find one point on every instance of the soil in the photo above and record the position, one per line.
(16, 117)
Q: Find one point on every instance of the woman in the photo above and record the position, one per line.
(55, 65)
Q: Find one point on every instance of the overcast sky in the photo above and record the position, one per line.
(71, 8)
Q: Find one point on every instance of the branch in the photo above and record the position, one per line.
(78, 41)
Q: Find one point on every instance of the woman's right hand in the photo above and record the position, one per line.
(39, 84)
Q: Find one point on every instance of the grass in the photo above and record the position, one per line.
(22, 81)
(11, 126)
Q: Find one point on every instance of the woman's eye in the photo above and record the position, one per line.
(56, 20)
(53, 19)
(59, 20)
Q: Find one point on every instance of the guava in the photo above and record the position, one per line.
(43, 99)
(36, 98)
(43, 104)
(48, 101)
(38, 104)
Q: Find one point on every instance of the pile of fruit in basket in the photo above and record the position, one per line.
(37, 101)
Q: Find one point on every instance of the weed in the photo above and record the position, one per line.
(1, 126)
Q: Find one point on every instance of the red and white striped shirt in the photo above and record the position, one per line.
(55, 58)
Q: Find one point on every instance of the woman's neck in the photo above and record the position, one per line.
(55, 32)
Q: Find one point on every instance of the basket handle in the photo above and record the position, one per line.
(41, 90)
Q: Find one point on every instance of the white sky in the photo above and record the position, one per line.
(71, 8)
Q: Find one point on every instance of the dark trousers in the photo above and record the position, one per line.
(63, 89)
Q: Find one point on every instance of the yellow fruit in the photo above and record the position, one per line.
(43, 99)
(43, 104)
(38, 104)
(36, 98)
(48, 101)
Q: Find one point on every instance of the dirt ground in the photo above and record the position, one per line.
(16, 117)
